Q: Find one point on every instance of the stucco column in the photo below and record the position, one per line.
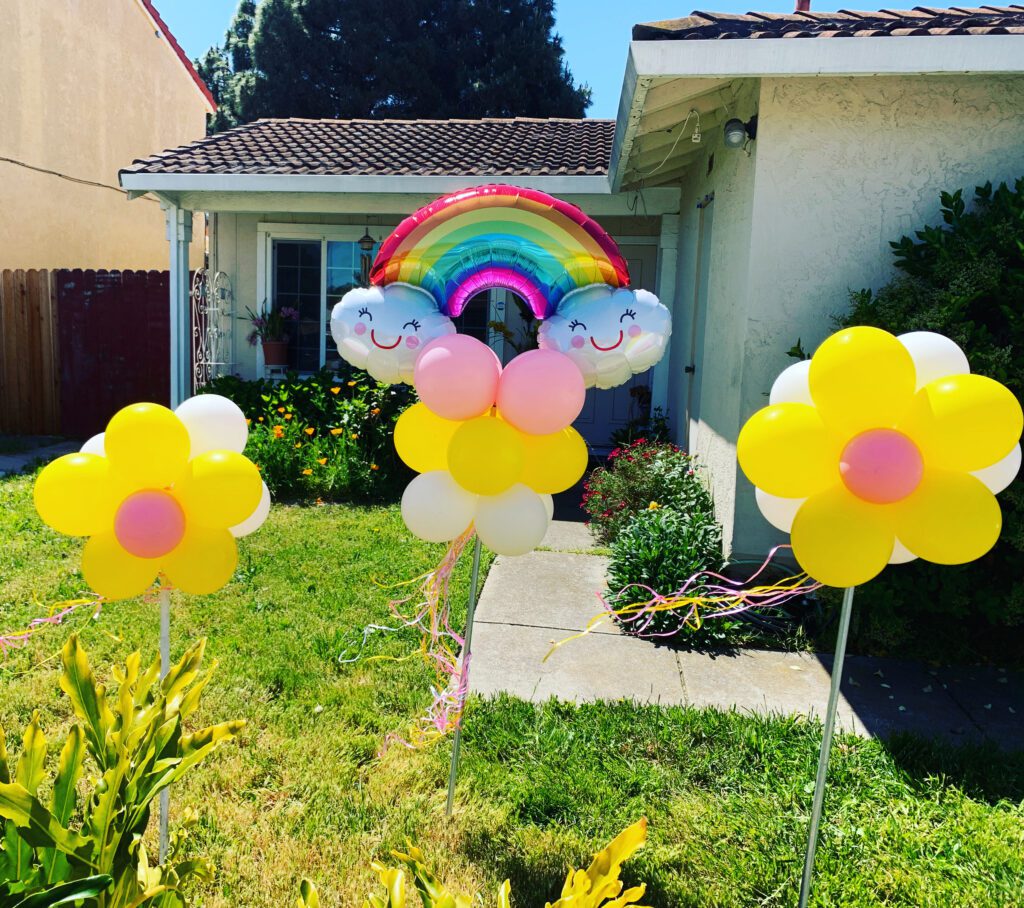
(665, 287)
(179, 235)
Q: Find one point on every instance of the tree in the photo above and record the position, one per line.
(401, 59)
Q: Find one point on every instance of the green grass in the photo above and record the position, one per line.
(304, 794)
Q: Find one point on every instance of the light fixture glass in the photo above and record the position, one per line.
(735, 133)
(367, 242)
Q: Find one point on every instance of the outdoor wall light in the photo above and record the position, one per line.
(737, 133)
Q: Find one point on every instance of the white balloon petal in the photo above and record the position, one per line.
(549, 506)
(95, 445)
(256, 519)
(901, 554)
(998, 476)
(934, 355)
(792, 385)
(512, 523)
(436, 508)
(214, 423)
(779, 512)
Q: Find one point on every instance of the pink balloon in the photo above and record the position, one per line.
(540, 392)
(149, 524)
(456, 376)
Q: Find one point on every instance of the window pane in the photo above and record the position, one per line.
(296, 282)
(347, 267)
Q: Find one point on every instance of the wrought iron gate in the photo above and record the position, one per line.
(212, 320)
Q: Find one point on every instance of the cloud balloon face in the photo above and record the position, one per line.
(383, 329)
(611, 334)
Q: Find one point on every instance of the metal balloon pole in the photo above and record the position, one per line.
(165, 667)
(826, 744)
(470, 613)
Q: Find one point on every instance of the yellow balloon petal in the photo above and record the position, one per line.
(840, 540)
(112, 572)
(553, 463)
(203, 562)
(964, 422)
(219, 489)
(786, 450)
(147, 445)
(76, 495)
(485, 455)
(952, 518)
(422, 438)
(862, 378)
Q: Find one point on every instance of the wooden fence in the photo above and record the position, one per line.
(76, 346)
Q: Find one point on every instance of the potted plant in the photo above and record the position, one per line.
(270, 329)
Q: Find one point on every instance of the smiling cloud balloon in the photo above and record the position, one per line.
(611, 334)
(383, 329)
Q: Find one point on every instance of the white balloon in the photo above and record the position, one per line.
(214, 423)
(255, 520)
(512, 523)
(436, 508)
(95, 445)
(792, 385)
(549, 506)
(934, 355)
(779, 512)
(998, 476)
(901, 554)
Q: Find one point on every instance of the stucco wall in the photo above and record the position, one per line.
(843, 166)
(86, 87)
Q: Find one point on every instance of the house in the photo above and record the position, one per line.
(81, 92)
(756, 171)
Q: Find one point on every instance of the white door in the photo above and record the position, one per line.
(606, 411)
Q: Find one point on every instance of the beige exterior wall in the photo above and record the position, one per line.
(86, 86)
(841, 166)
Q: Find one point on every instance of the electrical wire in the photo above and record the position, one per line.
(68, 177)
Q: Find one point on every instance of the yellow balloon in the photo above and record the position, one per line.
(951, 518)
(486, 455)
(112, 572)
(964, 422)
(147, 445)
(786, 450)
(76, 495)
(553, 463)
(204, 560)
(422, 438)
(840, 540)
(862, 378)
(219, 489)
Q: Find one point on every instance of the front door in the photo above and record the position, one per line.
(606, 411)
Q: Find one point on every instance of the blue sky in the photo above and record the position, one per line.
(595, 32)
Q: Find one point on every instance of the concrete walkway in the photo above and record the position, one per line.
(16, 463)
(532, 602)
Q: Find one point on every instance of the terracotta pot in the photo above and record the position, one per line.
(275, 353)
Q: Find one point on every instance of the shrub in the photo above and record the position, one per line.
(965, 280)
(322, 436)
(636, 475)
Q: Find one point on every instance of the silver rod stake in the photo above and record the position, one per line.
(165, 667)
(826, 744)
(470, 613)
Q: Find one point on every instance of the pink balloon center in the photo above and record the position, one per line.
(149, 524)
(360, 328)
(881, 466)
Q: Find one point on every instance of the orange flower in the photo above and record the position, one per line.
(351, 384)
(375, 411)
(248, 422)
(307, 472)
(298, 444)
(261, 419)
(337, 431)
(278, 431)
(287, 415)
(309, 430)
(320, 502)
(334, 391)
(280, 409)
(374, 466)
(322, 461)
(354, 436)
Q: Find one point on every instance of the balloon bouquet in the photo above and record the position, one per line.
(876, 451)
(492, 444)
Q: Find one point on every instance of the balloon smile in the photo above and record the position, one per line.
(385, 346)
(597, 346)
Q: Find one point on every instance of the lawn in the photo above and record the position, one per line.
(304, 794)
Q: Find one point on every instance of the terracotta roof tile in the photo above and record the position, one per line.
(921, 20)
(488, 147)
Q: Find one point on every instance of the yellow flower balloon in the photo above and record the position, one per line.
(147, 508)
(422, 437)
(882, 465)
(485, 455)
(555, 462)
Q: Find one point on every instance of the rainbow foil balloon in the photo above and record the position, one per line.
(882, 449)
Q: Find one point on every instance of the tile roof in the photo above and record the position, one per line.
(488, 147)
(921, 20)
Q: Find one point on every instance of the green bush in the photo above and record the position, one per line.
(636, 475)
(964, 280)
(322, 437)
(660, 549)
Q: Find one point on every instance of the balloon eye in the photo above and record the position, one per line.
(576, 323)
(628, 312)
(366, 312)
(415, 325)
